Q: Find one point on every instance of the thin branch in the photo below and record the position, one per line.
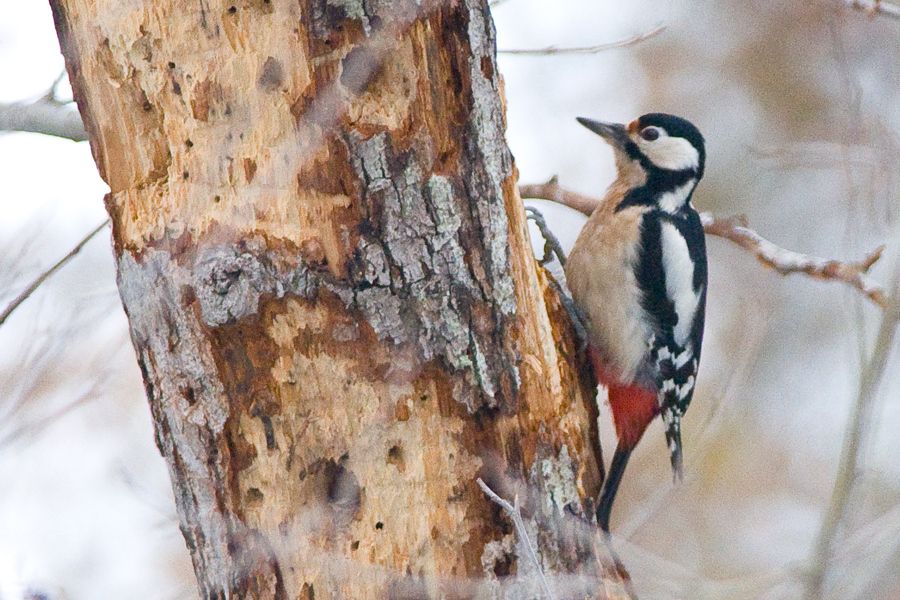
(735, 230)
(786, 262)
(51, 94)
(876, 7)
(848, 471)
(45, 115)
(556, 50)
(519, 524)
(28, 291)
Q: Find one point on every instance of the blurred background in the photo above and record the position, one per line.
(800, 105)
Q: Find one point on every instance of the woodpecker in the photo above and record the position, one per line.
(638, 274)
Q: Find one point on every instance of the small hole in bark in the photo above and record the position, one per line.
(354, 545)
(171, 65)
(147, 106)
(217, 199)
(254, 495)
(395, 457)
(185, 175)
(190, 396)
(232, 9)
(189, 143)
(342, 486)
(176, 88)
(503, 567)
(395, 453)
(379, 525)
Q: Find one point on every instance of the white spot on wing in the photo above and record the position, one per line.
(685, 389)
(681, 360)
(679, 270)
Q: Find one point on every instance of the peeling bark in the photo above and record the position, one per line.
(331, 294)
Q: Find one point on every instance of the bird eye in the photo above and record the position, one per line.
(650, 133)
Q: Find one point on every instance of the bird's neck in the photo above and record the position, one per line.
(667, 191)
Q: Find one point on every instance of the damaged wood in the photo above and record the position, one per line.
(331, 294)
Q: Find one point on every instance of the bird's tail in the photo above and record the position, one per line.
(611, 485)
(672, 422)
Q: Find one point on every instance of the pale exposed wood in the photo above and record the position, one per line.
(331, 293)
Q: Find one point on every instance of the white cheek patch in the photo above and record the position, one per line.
(679, 269)
(673, 153)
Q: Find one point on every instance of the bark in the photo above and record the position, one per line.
(331, 294)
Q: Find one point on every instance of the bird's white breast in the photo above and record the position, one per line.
(600, 274)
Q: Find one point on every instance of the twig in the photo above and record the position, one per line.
(787, 261)
(519, 523)
(45, 115)
(848, 471)
(51, 93)
(735, 230)
(26, 293)
(555, 50)
(876, 7)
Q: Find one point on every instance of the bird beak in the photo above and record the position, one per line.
(615, 134)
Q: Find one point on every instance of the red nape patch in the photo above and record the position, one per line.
(633, 407)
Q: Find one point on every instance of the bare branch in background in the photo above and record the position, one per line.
(45, 115)
(786, 262)
(876, 7)
(734, 229)
(521, 530)
(49, 114)
(28, 291)
(51, 92)
(848, 472)
(554, 50)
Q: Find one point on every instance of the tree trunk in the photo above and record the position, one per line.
(332, 297)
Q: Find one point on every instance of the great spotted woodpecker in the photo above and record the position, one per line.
(638, 274)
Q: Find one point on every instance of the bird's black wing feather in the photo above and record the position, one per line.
(672, 365)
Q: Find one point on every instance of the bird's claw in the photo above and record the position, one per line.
(552, 247)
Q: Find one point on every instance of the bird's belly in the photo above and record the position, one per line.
(600, 274)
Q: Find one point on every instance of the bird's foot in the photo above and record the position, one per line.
(576, 316)
(552, 247)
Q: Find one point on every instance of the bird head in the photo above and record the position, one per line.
(657, 141)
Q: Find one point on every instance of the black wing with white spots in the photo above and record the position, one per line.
(672, 274)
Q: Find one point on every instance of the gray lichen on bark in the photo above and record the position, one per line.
(417, 283)
(188, 401)
(487, 126)
(558, 479)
